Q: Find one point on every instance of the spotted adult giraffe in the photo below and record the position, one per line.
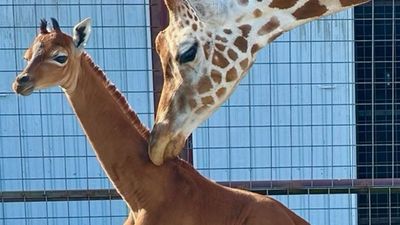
(206, 50)
(171, 194)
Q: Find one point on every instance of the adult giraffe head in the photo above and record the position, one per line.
(52, 58)
(206, 50)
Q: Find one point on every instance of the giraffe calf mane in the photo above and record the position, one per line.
(120, 98)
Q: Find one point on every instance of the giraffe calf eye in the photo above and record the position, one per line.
(61, 59)
(188, 55)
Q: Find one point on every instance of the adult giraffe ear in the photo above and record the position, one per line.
(81, 32)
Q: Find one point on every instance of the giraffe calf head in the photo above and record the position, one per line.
(52, 58)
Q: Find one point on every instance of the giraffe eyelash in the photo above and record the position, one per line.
(189, 55)
(59, 58)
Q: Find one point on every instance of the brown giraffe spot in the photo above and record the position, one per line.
(192, 103)
(219, 60)
(207, 100)
(207, 50)
(282, 4)
(269, 27)
(232, 54)
(221, 92)
(257, 13)
(244, 2)
(241, 43)
(209, 34)
(194, 27)
(201, 109)
(351, 2)
(220, 47)
(244, 64)
(255, 48)
(245, 30)
(231, 75)
(190, 15)
(219, 38)
(181, 103)
(311, 9)
(227, 31)
(216, 76)
(275, 36)
(204, 85)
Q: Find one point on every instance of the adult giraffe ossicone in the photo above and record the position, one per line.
(172, 194)
(206, 50)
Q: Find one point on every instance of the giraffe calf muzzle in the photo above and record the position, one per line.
(22, 79)
(23, 85)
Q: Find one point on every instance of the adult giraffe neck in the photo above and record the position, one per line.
(115, 133)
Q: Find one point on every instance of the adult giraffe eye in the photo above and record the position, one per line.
(61, 59)
(188, 55)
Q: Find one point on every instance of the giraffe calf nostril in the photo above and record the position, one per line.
(23, 79)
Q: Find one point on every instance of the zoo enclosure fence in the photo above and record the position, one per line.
(303, 123)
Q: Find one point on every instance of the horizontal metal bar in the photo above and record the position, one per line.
(294, 187)
(335, 183)
(303, 187)
(59, 195)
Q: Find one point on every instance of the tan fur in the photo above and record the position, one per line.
(230, 34)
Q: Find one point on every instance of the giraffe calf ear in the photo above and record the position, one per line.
(81, 32)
